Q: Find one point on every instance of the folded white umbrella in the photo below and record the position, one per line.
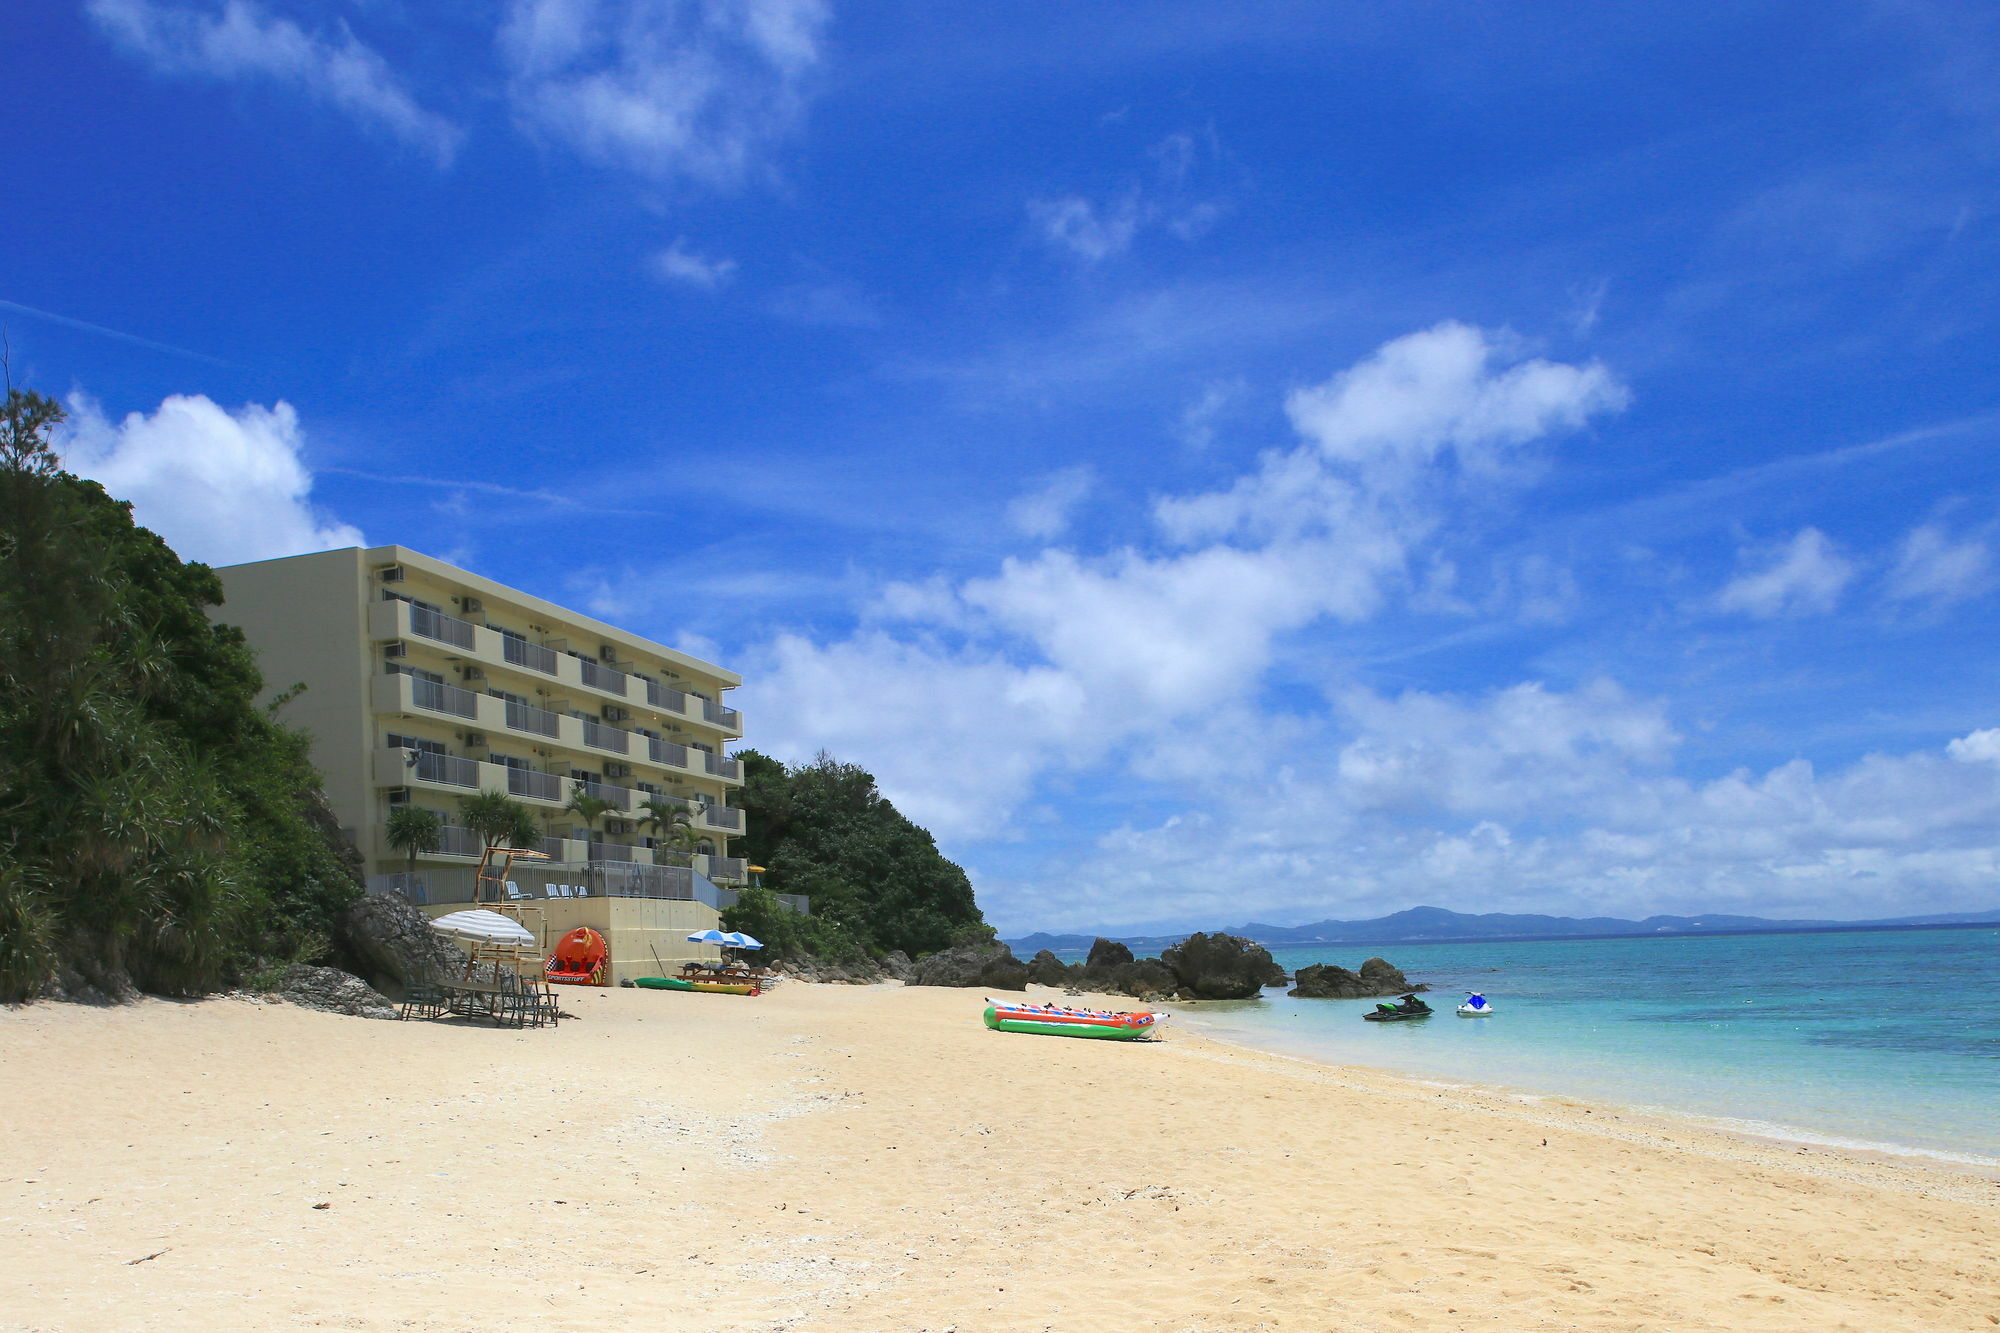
(483, 927)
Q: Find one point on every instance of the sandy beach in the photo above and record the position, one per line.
(871, 1158)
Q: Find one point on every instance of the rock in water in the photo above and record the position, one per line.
(1324, 981)
(1145, 979)
(333, 991)
(1219, 967)
(1106, 956)
(390, 943)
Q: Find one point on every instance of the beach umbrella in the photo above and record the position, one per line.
(708, 937)
(484, 927)
(736, 939)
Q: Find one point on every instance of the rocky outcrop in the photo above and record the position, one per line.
(1146, 979)
(332, 991)
(1219, 967)
(1106, 956)
(1324, 981)
(1045, 969)
(991, 965)
(388, 942)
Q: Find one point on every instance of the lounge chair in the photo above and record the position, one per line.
(514, 894)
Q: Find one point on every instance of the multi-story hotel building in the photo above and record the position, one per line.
(426, 683)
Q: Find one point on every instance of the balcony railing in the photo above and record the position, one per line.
(441, 698)
(722, 768)
(665, 696)
(667, 752)
(724, 717)
(527, 717)
(606, 738)
(530, 655)
(446, 768)
(604, 678)
(610, 851)
(726, 867)
(618, 796)
(456, 841)
(445, 629)
(723, 817)
(540, 786)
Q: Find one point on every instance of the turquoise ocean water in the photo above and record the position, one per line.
(1879, 1038)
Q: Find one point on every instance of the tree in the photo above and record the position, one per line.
(158, 828)
(498, 819)
(415, 830)
(586, 807)
(671, 822)
(877, 882)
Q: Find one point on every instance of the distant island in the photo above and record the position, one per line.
(1417, 925)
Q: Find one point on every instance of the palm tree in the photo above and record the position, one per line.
(414, 830)
(671, 820)
(498, 819)
(586, 807)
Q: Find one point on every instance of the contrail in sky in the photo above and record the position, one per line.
(112, 333)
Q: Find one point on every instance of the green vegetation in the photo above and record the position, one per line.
(499, 820)
(877, 882)
(414, 830)
(671, 822)
(157, 828)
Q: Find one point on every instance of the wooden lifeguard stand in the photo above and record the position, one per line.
(495, 864)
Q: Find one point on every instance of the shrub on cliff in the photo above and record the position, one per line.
(877, 881)
(158, 828)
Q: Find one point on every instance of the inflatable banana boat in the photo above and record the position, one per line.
(1048, 1020)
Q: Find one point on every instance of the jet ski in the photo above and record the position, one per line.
(1410, 1007)
(1475, 1005)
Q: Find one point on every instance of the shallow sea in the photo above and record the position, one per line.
(1885, 1039)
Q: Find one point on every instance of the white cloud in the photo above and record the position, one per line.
(1804, 577)
(240, 40)
(679, 264)
(1089, 231)
(1196, 427)
(667, 88)
(221, 487)
(1976, 748)
(1045, 511)
(1933, 568)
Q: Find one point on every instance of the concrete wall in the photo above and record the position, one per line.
(634, 928)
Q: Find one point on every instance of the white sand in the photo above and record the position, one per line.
(863, 1159)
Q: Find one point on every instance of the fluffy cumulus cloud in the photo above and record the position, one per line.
(693, 89)
(240, 40)
(1805, 576)
(1200, 675)
(221, 487)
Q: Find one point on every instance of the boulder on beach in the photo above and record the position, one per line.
(1045, 969)
(1106, 956)
(333, 991)
(1145, 979)
(990, 964)
(1219, 967)
(390, 943)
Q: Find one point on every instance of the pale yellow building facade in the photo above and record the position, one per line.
(426, 683)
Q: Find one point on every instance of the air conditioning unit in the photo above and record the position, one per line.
(618, 770)
(471, 605)
(477, 738)
(399, 796)
(395, 648)
(606, 654)
(616, 714)
(472, 673)
(391, 574)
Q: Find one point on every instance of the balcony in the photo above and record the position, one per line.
(615, 851)
(428, 624)
(621, 797)
(445, 768)
(521, 653)
(725, 867)
(606, 738)
(438, 698)
(723, 817)
(670, 753)
(665, 696)
(535, 786)
(721, 767)
(727, 718)
(603, 678)
(533, 720)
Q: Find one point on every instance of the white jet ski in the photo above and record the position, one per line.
(1475, 1006)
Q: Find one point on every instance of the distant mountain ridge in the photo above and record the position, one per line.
(1418, 924)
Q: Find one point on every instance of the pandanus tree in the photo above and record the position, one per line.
(414, 830)
(671, 822)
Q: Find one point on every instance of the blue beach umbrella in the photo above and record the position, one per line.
(710, 937)
(736, 939)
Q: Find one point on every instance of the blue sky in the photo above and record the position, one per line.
(1211, 462)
